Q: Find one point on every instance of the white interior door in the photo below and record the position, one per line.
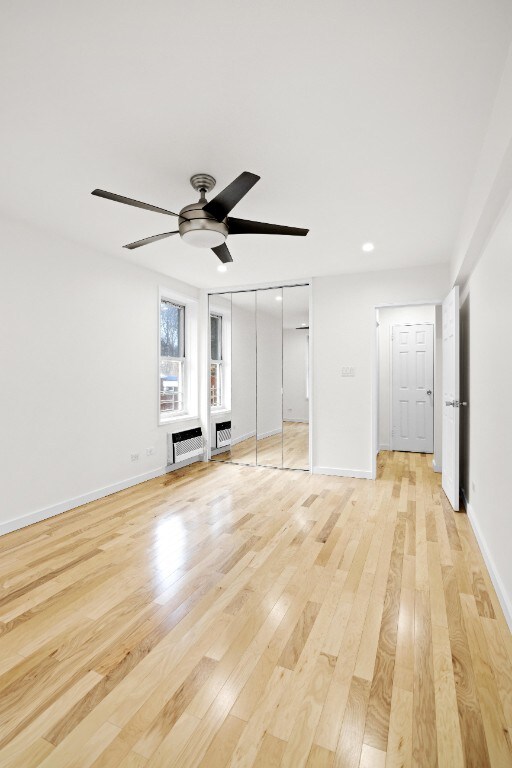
(451, 377)
(413, 388)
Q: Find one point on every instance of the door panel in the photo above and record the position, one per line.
(269, 377)
(413, 380)
(451, 376)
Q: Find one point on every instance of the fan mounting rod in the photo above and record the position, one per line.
(202, 182)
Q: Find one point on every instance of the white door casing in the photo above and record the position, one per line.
(451, 379)
(413, 388)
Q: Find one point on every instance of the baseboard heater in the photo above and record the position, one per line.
(185, 445)
(222, 434)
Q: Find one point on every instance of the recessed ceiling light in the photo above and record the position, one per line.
(222, 268)
(279, 298)
(368, 247)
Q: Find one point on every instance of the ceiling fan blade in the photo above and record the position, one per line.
(152, 239)
(222, 252)
(226, 200)
(245, 227)
(129, 201)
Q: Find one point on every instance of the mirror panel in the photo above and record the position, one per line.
(243, 377)
(296, 377)
(220, 375)
(269, 343)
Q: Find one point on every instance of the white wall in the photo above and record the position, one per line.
(295, 402)
(491, 185)
(79, 383)
(486, 424)
(344, 334)
(388, 317)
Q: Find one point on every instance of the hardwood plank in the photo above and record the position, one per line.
(233, 615)
(424, 743)
(350, 742)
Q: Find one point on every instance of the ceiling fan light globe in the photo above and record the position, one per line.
(203, 238)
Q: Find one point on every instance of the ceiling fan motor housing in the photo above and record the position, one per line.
(200, 228)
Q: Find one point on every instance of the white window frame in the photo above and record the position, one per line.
(220, 365)
(189, 363)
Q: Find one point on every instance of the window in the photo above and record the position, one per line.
(172, 358)
(216, 388)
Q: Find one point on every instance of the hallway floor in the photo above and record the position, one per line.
(233, 616)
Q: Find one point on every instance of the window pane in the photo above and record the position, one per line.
(171, 385)
(172, 331)
(215, 385)
(216, 337)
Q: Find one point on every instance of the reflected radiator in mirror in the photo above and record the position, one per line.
(222, 434)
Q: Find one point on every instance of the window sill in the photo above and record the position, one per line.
(217, 411)
(184, 417)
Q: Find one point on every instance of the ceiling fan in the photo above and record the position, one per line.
(207, 224)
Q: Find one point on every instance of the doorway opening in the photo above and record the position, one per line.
(408, 381)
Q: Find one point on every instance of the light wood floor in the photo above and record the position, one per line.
(227, 615)
(289, 449)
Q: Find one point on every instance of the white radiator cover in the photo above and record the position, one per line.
(184, 445)
(222, 434)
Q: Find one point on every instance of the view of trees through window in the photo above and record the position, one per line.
(172, 356)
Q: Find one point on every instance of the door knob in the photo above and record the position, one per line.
(450, 402)
(429, 391)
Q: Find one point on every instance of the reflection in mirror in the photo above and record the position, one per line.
(296, 377)
(243, 378)
(220, 376)
(269, 324)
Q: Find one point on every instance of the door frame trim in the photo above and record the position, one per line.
(376, 371)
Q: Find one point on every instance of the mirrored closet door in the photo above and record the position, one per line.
(259, 377)
(296, 377)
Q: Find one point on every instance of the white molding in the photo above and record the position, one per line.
(385, 447)
(248, 435)
(436, 467)
(501, 592)
(338, 472)
(241, 438)
(64, 506)
(270, 434)
(297, 421)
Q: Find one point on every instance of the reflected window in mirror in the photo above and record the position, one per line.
(216, 368)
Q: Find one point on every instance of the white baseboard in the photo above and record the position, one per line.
(337, 472)
(270, 434)
(501, 592)
(436, 467)
(384, 447)
(247, 436)
(241, 438)
(297, 421)
(64, 506)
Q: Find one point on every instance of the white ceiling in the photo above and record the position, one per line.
(364, 120)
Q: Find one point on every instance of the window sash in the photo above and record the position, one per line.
(172, 385)
(216, 353)
(172, 370)
(176, 344)
(216, 388)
